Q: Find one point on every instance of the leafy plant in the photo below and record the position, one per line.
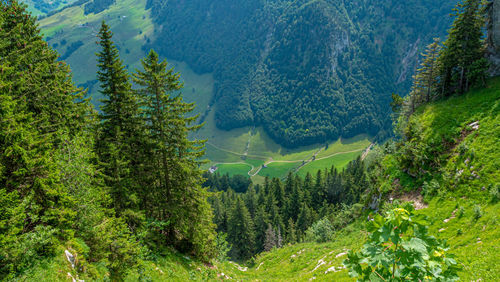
(495, 193)
(461, 212)
(399, 248)
(222, 247)
(478, 213)
(320, 232)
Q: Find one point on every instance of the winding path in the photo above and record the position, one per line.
(304, 162)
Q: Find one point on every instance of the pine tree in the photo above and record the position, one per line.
(42, 82)
(318, 192)
(430, 69)
(32, 200)
(261, 221)
(241, 232)
(291, 235)
(174, 195)
(117, 145)
(270, 242)
(462, 57)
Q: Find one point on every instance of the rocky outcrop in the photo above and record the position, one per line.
(494, 37)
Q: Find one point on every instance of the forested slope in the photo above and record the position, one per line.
(307, 70)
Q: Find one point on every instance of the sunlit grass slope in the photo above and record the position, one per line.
(132, 29)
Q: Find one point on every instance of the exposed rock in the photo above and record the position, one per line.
(474, 125)
(341, 254)
(320, 263)
(240, 268)
(70, 258)
(334, 269)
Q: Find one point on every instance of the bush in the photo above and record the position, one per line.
(430, 188)
(320, 232)
(478, 213)
(495, 194)
(222, 247)
(400, 249)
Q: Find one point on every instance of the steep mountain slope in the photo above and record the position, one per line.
(307, 71)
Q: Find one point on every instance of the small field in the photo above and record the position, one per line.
(339, 161)
(278, 169)
(234, 168)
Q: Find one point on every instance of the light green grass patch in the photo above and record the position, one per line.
(339, 161)
(278, 169)
(234, 169)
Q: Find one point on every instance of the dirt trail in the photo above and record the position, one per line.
(365, 153)
(270, 159)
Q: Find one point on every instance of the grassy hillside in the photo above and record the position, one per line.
(461, 136)
(474, 242)
(464, 209)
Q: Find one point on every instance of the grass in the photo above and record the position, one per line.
(339, 161)
(131, 25)
(472, 151)
(479, 260)
(476, 247)
(230, 146)
(233, 169)
(279, 170)
(476, 243)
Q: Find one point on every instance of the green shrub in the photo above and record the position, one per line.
(430, 188)
(399, 249)
(461, 212)
(495, 194)
(320, 232)
(478, 213)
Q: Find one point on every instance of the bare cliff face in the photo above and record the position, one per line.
(494, 37)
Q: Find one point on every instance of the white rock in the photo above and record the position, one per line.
(70, 258)
(341, 254)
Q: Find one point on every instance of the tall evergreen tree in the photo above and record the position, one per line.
(117, 141)
(462, 58)
(425, 80)
(241, 232)
(174, 194)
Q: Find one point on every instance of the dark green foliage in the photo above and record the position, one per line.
(65, 175)
(118, 139)
(71, 49)
(171, 194)
(332, 63)
(399, 249)
(241, 232)
(97, 6)
(239, 183)
(302, 202)
(462, 59)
